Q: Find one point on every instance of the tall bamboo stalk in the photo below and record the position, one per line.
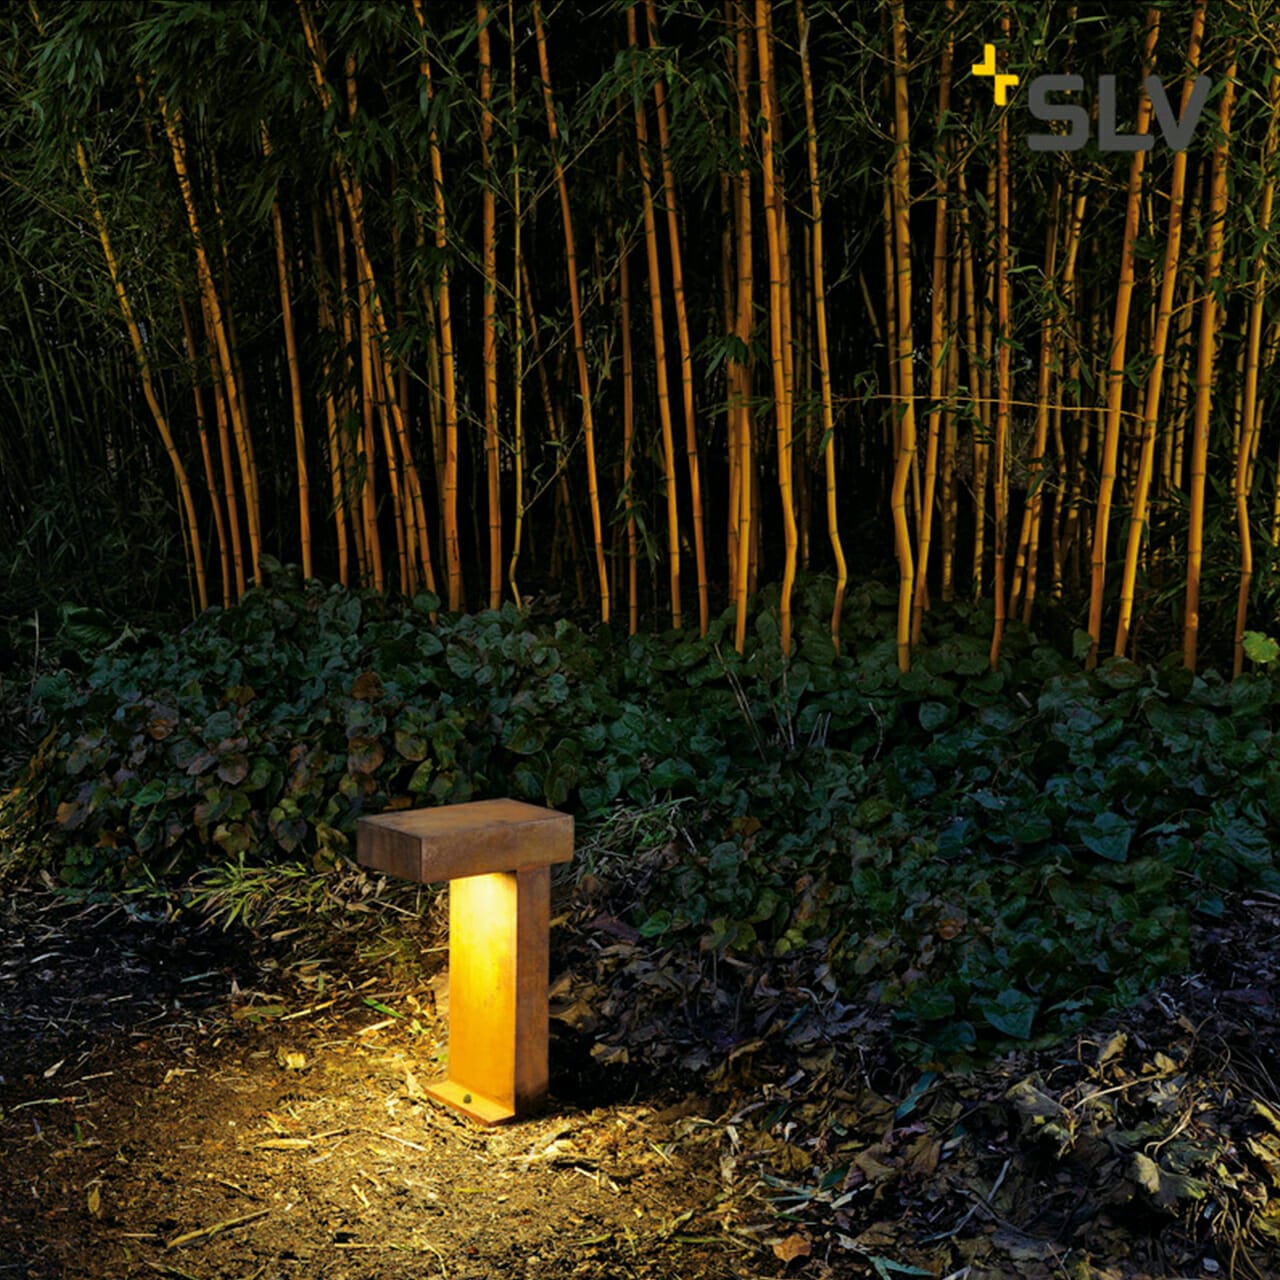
(1063, 300)
(937, 351)
(683, 339)
(659, 342)
(779, 303)
(1210, 308)
(1158, 348)
(295, 380)
(337, 486)
(414, 522)
(950, 497)
(444, 317)
(1250, 417)
(228, 472)
(1004, 379)
(1116, 362)
(906, 433)
(517, 319)
(358, 464)
(561, 447)
(979, 403)
(216, 494)
(489, 353)
(628, 437)
(575, 306)
(144, 373)
(740, 364)
(820, 322)
(1023, 568)
(235, 407)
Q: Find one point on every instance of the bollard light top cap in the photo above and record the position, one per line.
(456, 840)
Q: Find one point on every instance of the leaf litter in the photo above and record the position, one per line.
(255, 1104)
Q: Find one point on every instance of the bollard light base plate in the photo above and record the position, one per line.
(474, 1106)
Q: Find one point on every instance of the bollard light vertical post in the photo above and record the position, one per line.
(496, 856)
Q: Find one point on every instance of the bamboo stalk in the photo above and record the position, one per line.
(979, 405)
(1205, 356)
(1249, 423)
(517, 319)
(820, 322)
(906, 424)
(950, 489)
(779, 298)
(985, 379)
(444, 317)
(489, 353)
(1158, 347)
(216, 495)
(148, 385)
(659, 342)
(222, 418)
(575, 306)
(937, 352)
(357, 464)
(408, 510)
(235, 408)
(564, 505)
(1004, 381)
(1116, 361)
(370, 400)
(740, 367)
(1062, 308)
(728, 289)
(683, 339)
(1024, 567)
(334, 448)
(295, 381)
(415, 530)
(1183, 393)
(628, 439)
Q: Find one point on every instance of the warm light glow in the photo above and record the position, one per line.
(497, 856)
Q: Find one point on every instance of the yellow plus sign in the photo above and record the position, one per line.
(987, 67)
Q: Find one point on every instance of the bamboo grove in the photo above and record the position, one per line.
(658, 305)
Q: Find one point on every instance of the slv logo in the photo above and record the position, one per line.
(1176, 131)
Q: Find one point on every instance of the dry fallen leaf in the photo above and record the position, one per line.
(95, 1201)
(1113, 1048)
(794, 1246)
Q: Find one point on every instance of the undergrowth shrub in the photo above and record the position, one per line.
(993, 853)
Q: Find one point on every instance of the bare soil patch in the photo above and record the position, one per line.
(179, 1100)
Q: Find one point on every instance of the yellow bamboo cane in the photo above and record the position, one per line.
(1116, 361)
(1205, 358)
(1159, 347)
(575, 307)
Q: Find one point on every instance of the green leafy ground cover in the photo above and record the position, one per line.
(994, 855)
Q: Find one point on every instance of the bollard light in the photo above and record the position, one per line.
(496, 856)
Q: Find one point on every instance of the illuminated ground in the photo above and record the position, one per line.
(158, 1083)
(179, 1101)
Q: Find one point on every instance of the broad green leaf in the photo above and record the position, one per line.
(933, 715)
(1011, 1012)
(1108, 835)
(1260, 648)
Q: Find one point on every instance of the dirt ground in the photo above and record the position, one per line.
(177, 1103)
(181, 1101)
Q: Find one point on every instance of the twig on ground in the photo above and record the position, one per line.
(205, 1233)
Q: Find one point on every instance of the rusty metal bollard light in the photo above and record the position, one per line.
(497, 857)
